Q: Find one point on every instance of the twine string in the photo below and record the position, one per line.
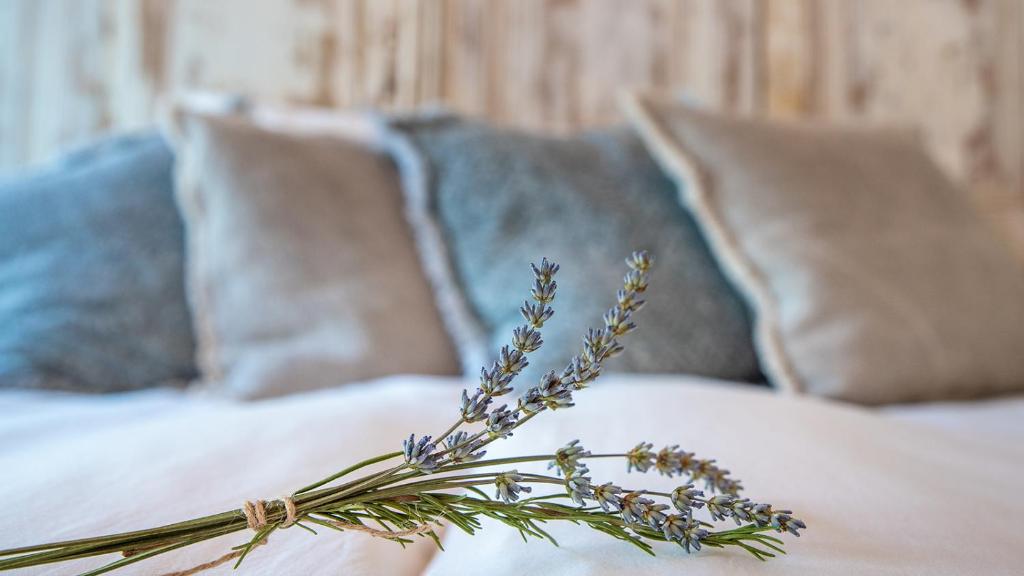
(256, 519)
(290, 513)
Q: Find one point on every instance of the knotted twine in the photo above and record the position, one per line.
(256, 520)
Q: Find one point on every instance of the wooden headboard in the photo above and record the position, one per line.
(72, 68)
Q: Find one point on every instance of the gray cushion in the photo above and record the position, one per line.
(873, 278)
(502, 199)
(91, 279)
(302, 271)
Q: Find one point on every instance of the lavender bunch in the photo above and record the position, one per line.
(442, 478)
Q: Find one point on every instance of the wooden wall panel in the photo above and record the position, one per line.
(70, 69)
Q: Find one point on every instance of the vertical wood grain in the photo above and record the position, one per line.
(724, 54)
(793, 54)
(520, 61)
(70, 69)
(468, 49)
(18, 19)
(607, 65)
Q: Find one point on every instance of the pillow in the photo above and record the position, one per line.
(872, 278)
(489, 201)
(302, 272)
(92, 294)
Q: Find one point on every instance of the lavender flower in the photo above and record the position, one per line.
(742, 510)
(526, 339)
(674, 526)
(782, 521)
(668, 461)
(511, 361)
(671, 461)
(554, 393)
(580, 372)
(633, 505)
(635, 281)
(685, 460)
(684, 529)
(531, 402)
(536, 314)
(627, 300)
(613, 349)
(617, 321)
(551, 393)
(508, 486)
(599, 345)
(578, 485)
(542, 291)
(728, 485)
(546, 271)
(419, 455)
(567, 458)
(474, 409)
(607, 495)
(462, 449)
(640, 261)
(720, 506)
(684, 498)
(715, 478)
(653, 514)
(640, 457)
(500, 422)
(496, 381)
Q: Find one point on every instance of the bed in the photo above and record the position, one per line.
(904, 490)
(255, 297)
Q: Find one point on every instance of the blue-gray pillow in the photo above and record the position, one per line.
(496, 199)
(91, 275)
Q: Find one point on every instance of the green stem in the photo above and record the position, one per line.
(348, 470)
(445, 434)
(497, 462)
(138, 537)
(451, 468)
(320, 497)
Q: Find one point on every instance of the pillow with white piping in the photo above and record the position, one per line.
(302, 273)
(486, 201)
(871, 277)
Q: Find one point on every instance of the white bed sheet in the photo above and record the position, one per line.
(74, 466)
(906, 490)
(881, 493)
(997, 422)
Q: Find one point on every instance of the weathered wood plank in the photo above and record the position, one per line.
(792, 58)
(18, 19)
(70, 69)
(724, 54)
(467, 55)
(607, 65)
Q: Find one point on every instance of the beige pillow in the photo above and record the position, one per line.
(872, 278)
(302, 272)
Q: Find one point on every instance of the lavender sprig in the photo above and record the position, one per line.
(408, 499)
(638, 511)
(497, 380)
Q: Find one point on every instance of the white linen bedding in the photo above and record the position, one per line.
(75, 466)
(908, 490)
